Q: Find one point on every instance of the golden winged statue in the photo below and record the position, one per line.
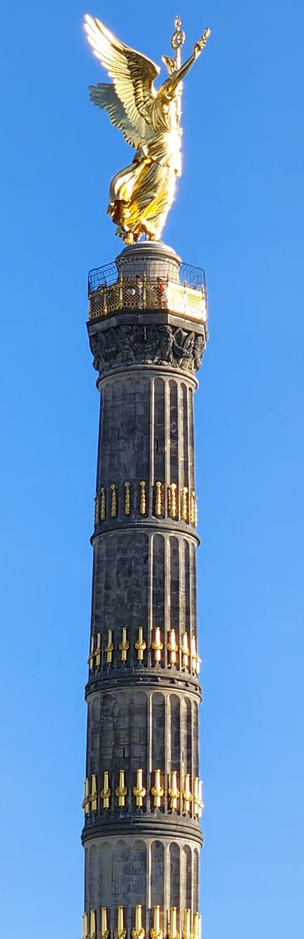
(142, 193)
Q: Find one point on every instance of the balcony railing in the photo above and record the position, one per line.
(110, 291)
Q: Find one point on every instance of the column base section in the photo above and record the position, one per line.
(146, 872)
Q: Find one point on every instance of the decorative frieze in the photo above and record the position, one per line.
(131, 498)
(147, 345)
(188, 801)
(189, 658)
(95, 924)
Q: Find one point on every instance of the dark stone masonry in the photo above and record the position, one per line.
(143, 800)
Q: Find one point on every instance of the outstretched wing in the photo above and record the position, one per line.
(104, 96)
(133, 76)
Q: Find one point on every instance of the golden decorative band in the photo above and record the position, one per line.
(167, 792)
(181, 503)
(189, 924)
(182, 656)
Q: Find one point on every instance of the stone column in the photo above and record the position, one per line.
(142, 801)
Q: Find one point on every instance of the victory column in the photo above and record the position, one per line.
(148, 331)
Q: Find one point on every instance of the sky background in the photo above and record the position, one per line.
(239, 214)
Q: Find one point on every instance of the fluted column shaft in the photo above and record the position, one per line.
(142, 798)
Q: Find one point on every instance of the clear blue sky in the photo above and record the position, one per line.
(239, 213)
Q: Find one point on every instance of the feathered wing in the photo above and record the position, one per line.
(129, 101)
(105, 97)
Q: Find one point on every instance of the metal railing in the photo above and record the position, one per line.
(110, 291)
(108, 274)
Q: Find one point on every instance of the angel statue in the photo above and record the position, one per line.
(142, 193)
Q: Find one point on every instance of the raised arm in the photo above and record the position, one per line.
(178, 76)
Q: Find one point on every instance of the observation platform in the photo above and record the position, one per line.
(141, 279)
